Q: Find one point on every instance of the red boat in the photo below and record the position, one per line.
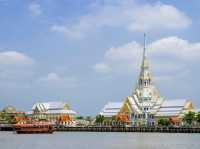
(34, 128)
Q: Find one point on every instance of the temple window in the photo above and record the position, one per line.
(146, 82)
(140, 81)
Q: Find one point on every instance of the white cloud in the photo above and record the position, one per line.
(124, 52)
(15, 59)
(176, 47)
(15, 68)
(121, 59)
(72, 32)
(20, 73)
(19, 69)
(130, 16)
(35, 9)
(55, 80)
(101, 68)
(167, 56)
(159, 16)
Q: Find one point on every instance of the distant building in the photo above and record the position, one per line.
(145, 105)
(56, 112)
(8, 115)
(9, 110)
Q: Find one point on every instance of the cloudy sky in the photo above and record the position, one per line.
(88, 52)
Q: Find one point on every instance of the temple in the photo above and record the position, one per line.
(146, 105)
(54, 112)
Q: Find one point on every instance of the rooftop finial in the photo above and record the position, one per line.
(144, 52)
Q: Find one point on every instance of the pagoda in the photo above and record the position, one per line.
(145, 104)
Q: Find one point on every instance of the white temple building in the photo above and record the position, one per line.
(52, 111)
(52, 108)
(111, 109)
(145, 104)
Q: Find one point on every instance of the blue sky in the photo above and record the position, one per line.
(88, 52)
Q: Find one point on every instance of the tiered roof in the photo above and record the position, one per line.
(111, 109)
(172, 107)
(53, 108)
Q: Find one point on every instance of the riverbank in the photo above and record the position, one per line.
(133, 129)
(119, 129)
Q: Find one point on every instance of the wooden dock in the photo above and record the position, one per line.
(133, 129)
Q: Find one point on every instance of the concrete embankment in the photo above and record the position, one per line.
(9, 127)
(133, 129)
(6, 127)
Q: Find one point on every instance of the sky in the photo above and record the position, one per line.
(88, 52)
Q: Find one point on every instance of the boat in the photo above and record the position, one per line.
(34, 128)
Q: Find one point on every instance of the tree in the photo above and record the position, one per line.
(79, 117)
(189, 117)
(99, 119)
(163, 122)
(7, 118)
(198, 117)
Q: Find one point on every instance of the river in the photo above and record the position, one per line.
(101, 140)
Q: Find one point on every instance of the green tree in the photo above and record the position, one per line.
(163, 122)
(99, 119)
(189, 117)
(6, 118)
(79, 117)
(198, 117)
